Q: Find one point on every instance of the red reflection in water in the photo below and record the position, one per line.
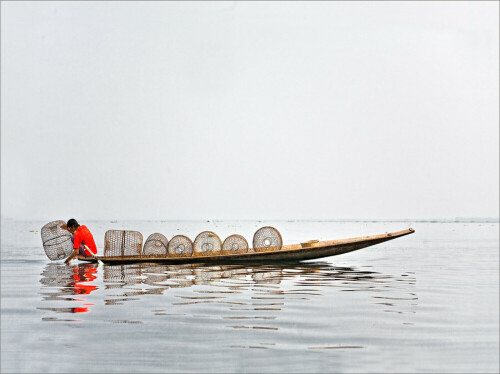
(79, 310)
(82, 275)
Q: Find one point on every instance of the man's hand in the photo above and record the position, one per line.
(72, 256)
(64, 227)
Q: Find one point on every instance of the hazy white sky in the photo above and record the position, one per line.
(292, 110)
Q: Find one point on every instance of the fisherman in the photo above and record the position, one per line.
(83, 241)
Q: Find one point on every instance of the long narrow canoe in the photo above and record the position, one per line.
(292, 252)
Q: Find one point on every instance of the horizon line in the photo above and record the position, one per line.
(442, 219)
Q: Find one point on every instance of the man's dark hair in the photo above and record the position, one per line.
(72, 224)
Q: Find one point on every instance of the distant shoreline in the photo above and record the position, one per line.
(411, 220)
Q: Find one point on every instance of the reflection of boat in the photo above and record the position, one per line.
(245, 295)
(294, 252)
(128, 282)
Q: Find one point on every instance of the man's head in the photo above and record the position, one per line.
(72, 225)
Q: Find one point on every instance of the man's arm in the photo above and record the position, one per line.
(75, 250)
(71, 256)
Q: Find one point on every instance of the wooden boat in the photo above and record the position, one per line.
(292, 252)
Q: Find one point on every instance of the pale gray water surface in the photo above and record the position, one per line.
(428, 302)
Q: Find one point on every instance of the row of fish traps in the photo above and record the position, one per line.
(207, 243)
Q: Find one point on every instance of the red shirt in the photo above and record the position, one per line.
(83, 236)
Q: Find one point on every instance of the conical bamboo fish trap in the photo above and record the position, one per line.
(207, 243)
(234, 244)
(180, 246)
(56, 241)
(267, 238)
(156, 245)
(122, 243)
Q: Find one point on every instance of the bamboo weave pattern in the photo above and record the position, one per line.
(207, 242)
(122, 243)
(156, 244)
(235, 244)
(56, 241)
(267, 239)
(180, 246)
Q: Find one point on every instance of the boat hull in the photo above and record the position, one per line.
(293, 252)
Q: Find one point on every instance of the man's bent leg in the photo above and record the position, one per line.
(81, 251)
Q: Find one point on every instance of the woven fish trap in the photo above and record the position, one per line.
(122, 243)
(267, 238)
(234, 244)
(56, 241)
(180, 246)
(207, 243)
(156, 245)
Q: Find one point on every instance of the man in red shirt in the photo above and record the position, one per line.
(82, 239)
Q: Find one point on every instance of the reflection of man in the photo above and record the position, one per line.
(70, 282)
(81, 275)
(83, 241)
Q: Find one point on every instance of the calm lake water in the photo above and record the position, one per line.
(427, 302)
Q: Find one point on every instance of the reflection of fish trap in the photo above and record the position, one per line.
(156, 244)
(56, 275)
(56, 241)
(234, 244)
(122, 243)
(154, 275)
(206, 274)
(206, 243)
(180, 246)
(267, 239)
(122, 275)
(273, 276)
